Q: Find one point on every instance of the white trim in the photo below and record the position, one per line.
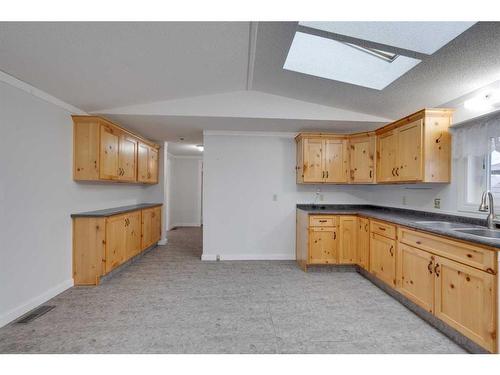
(252, 44)
(17, 83)
(250, 133)
(200, 157)
(19, 311)
(223, 257)
(163, 241)
(185, 225)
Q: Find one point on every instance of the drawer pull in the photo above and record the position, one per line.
(322, 221)
(418, 242)
(382, 229)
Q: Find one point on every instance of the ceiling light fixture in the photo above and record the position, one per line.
(200, 147)
(483, 102)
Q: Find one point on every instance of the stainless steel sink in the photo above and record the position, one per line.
(481, 232)
(444, 224)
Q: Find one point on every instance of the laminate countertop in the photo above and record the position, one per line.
(410, 219)
(115, 210)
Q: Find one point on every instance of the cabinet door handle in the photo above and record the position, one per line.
(326, 174)
(334, 235)
(371, 173)
(323, 174)
(390, 250)
(437, 270)
(397, 171)
(393, 173)
(366, 227)
(429, 267)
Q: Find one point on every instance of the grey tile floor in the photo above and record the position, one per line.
(170, 302)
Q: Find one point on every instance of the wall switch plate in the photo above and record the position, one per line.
(275, 197)
(437, 202)
(404, 200)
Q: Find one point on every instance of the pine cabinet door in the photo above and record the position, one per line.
(387, 157)
(361, 159)
(142, 162)
(465, 299)
(153, 165)
(147, 228)
(109, 146)
(363, 253)
(133, 233)
(348, 239)
(335, 160)
(415, 275)
(323, 243)
(410, 159)
(127, 167)
(313, 160)
(156, 224)
(116, 240)
(383, 259)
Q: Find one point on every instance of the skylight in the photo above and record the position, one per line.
(331, 59)
(423, 37)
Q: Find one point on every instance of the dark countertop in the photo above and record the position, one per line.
(115, 210)
(407, 218)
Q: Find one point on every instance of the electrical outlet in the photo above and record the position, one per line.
(404, 200)
(321, 197)
(275, 197)
(217, 258)
(437, 202)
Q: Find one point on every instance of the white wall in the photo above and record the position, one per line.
(185, 191)
(37, 196)
(240, 218)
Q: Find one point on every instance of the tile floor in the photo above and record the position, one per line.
(170, 302)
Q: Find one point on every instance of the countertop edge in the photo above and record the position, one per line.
(115, 210)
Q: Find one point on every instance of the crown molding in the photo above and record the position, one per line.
(26, 87)
(236, 133)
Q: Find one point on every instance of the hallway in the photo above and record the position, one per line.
(168, 301)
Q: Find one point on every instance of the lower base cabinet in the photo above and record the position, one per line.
(382, 258)
(348, 239)
(323, 245)
(100, 244)
(363, 242)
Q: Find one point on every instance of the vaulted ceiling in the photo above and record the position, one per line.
(175, 79)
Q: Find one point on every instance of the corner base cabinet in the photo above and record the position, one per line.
(102, 243)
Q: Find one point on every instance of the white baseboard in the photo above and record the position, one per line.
(19, 311)
(186, 225)
(212, 257)
(163, 242)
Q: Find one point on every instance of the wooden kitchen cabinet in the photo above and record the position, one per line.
(465, 299)
(104, 151)
(147, 162)
(103, 243)
(415, 148)
(415, 276)
(151, 226)
(348, 240)
(383, 258)
(116, 240)
(363, 244)
(362, 158)
(323, 245)
(321, 159)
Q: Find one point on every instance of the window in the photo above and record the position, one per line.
(481, 173)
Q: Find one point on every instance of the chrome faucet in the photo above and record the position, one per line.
(487, 206)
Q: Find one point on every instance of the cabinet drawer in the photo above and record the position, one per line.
(322, 221)
(384, 229)
(469, 254)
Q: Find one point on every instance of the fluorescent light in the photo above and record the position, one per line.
(200, 147)
(423, 37)
(327, 58)
(483, 102)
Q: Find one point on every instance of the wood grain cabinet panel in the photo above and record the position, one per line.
(313, 170)
(323, 243)
(104, 151)
(335, 160)
(466, 299)
(116, 241)
(133, 234)
(383, 258)
(363, 245)
(362, 159)
(415, 276)
(348, 239)
(387, 157)
(410, 155)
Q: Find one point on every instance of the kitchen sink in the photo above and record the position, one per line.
(444, 224)
(481, 232)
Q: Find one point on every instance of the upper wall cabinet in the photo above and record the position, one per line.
(103, 151)
(415, 149)
(321, 158)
